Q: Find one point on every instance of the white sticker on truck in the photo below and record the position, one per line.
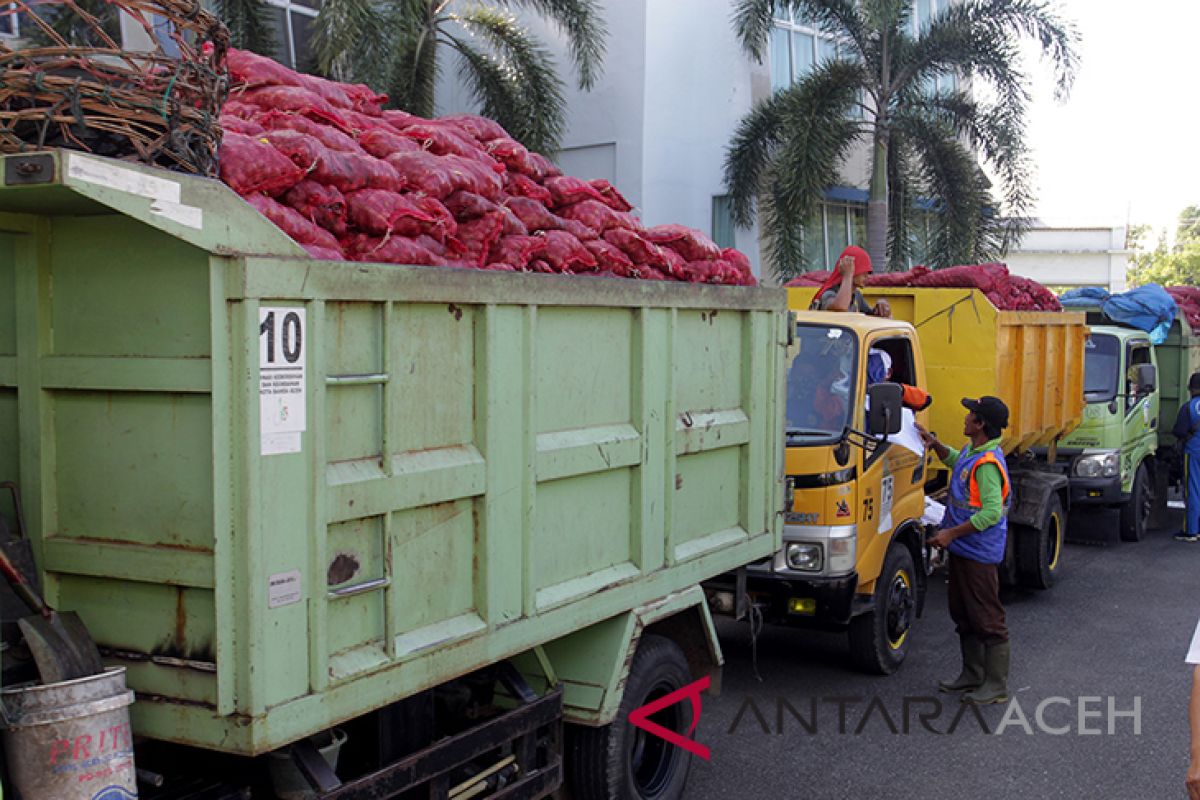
(283, 395)
(887, 495)
(284, 588)
(123, 179)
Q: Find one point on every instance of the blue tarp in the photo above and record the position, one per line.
(1148, 308)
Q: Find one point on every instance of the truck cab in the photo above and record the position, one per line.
(1110, 457)
(853, 554)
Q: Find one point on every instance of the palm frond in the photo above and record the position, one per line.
(540, 120)
(348, 41)
(1057, 37)
(249, 24)
(583, 23)
(752, 22)
(412, 68)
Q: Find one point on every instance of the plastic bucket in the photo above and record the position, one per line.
(70, 740)
(287, 780)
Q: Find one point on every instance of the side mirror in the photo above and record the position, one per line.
(883, 417)
(1147, 378)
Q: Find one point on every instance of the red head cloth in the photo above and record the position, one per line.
(862, 266)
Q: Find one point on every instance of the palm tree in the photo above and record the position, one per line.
(399, 45)
(924, 144)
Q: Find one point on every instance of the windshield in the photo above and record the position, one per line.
(1102, 363)
(820, 381)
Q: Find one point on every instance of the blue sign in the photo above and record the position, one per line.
(114, 793)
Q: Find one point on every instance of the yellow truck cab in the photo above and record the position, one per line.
(853, 554)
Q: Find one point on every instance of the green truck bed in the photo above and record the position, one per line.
(1178, 358)
(285, 492)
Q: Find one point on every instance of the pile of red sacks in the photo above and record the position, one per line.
(1006, 292)
(1188, 300)
(350, 181)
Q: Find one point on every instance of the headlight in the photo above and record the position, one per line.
(1100, 465)
(804, 557)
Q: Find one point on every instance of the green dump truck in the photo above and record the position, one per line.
(444, 511)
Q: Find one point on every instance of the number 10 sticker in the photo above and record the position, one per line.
(282, 390)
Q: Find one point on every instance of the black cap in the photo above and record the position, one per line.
(991, 410)
(1194, 382)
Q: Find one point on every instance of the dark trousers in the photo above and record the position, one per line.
(974, 596)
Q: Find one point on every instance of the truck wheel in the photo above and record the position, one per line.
(621, 762)
(1039, 550)
(1008, 567)
(879, 639)
(1135, 515)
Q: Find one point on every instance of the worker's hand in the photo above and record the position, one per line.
(943, 539)
(1193, 781)
(883, 309)
(845, 266)
(928, 438)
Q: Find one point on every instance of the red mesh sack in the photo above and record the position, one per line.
(651, 274)
(515, 156)
(251, 166)
(440, 176)
(391, 250)
(400, 119)
(513, 226)
(327, 135)
(288, 98)
(676, 265)
(611, 197)
(598, 216)
(565, 190)
(498, 267)
(740, 263)
(985, 277)
(246, 127)
(382, 142)
(541, 167)
(519, 185)
(354, 96)
(349, 172)
(565, 253)
(608, 256)
(444, 226)
(536, 217)
(445, 140)
(479, 128)
(324, 205)
(466, 205)
(290, 222)
(517, 251)
(688, 242)
(638, 249)
(325, 253)
(301, 149)
(478, 235)
(379, 212)
(235, 108)
(809, 279)
(250, 70)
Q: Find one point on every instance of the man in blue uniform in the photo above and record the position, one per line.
(974, 530)
(1187, 431)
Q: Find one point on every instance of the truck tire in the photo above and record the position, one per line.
(879, 639)
(1039, 550)
(621, 762)
(1135, 514)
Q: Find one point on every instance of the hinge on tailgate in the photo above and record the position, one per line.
(29, 170)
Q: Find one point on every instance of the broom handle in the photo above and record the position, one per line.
(21, 587)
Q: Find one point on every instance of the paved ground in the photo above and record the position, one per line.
(1117, 624)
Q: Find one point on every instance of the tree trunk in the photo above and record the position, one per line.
(877, 201)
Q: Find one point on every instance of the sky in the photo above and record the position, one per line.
(1125, 147)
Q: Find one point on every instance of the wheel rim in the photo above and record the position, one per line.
(1145, 504)
(899, 609)
(653, 761)
(1054, 541)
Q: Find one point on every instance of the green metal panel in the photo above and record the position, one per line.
(1178, 358)
(489, 462)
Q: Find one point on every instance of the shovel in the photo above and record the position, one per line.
(61, 646)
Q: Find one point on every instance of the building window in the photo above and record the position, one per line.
(796, 47)
(829, 230)
(722, 221)
(293, 22)
(10, 24)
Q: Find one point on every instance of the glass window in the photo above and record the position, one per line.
(722, 221)
(858, 226)
(293, 20)
(802, 55)
(1101, 363)
(781, 62)
(814, 241)
(9, 26)
(836, 229)
(924, 13)
(820, 381)
(827, 49)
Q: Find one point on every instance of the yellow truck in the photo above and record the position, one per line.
(853, 554)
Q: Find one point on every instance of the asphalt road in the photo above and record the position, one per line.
(1117, 624)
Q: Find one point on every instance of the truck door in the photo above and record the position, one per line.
(1141, 411)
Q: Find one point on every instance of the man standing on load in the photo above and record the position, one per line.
(842, 290)
(1187, 431)
(974, 530)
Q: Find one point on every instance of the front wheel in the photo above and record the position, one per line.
(879, 639)
(1135, 514)
(1039, 550)
(622, 762)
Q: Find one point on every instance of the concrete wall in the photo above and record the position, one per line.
(1073, 256)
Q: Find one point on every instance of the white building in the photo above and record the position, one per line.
(1073, 256)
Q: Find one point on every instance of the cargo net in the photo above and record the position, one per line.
(66, 81)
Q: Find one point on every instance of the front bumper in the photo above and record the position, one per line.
(773, 592)
(1097, 491)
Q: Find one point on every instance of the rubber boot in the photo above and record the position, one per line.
(971, 676)
(995, 684)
